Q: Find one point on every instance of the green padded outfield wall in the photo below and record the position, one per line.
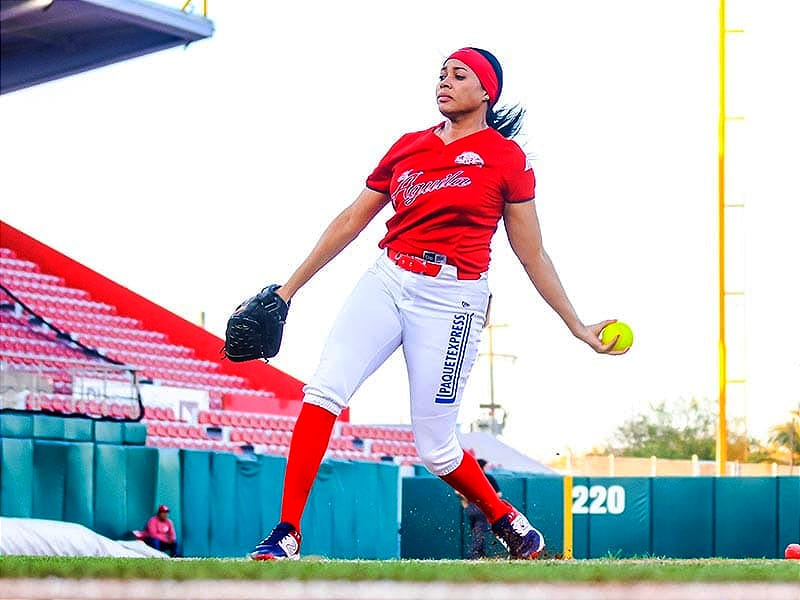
(681, 517)
(101, 476)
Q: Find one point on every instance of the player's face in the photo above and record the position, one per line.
(459, 90)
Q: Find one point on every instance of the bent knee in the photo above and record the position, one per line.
(441, 459)
(331, 402)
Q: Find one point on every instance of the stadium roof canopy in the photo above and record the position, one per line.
(42, 40)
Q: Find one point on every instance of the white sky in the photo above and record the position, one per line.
(195, 176)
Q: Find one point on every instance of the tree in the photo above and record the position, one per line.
(786, 437)
(678, 430)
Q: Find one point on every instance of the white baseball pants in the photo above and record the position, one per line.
(438, 321)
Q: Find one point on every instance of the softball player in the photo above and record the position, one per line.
(428, 291)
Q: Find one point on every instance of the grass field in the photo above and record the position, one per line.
(605, 570)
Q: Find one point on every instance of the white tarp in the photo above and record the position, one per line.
(40, 537)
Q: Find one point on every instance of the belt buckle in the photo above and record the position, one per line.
(434, 257)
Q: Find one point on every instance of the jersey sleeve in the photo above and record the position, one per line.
(520, 182)
(381, 177)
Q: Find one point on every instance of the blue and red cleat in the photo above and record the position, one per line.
(282, 544)
(517, 535)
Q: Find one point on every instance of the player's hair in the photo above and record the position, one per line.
(507, 120)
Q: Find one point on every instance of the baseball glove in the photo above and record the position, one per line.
(255, 328)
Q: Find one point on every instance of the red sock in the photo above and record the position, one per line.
(470, 480)
(310, 438)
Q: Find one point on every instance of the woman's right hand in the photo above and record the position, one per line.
(591, 335)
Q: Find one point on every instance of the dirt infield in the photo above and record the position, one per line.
(96, 589)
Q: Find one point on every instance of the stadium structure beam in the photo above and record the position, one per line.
(43, 40)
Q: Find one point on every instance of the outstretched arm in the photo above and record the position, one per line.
(524, 234)
(341, 231)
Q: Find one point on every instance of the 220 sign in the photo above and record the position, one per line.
(598, 500)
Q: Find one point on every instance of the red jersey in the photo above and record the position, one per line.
(448, 198)
(160, 530)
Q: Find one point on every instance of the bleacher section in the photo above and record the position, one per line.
(60, 366)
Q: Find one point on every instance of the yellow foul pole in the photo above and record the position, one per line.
(568, 547)
(722, 422)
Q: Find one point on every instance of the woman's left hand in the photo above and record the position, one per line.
(591, 335)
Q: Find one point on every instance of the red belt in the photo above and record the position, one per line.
(413, 263)
(419, 265)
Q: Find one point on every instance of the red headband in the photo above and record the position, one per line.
(482, 68)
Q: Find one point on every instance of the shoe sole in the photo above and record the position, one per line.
(273, 557)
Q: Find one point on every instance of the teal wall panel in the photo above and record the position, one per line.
(108, 432)
(619, 522)
(683, 517)
(431, 526)
(333, 522)
(78, 485)
(48, 427)
(746, 520)
(78, 430)
(788, 513)
(271, 490)
(134, 434)
(110, 490)
(49, 476)
(222, 505)
(249, 525)
(141, 464)
(195, 491)
(62, 481)
(544, 507)
(374, 490)
(19, 426)
(168, 486)
(320, 521)
(16, 477)
(580, 521)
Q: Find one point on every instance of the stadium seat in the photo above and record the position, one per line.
(98, 325)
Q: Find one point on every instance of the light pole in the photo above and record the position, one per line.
(494, 428)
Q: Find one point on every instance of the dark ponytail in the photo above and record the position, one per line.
(507, 120)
